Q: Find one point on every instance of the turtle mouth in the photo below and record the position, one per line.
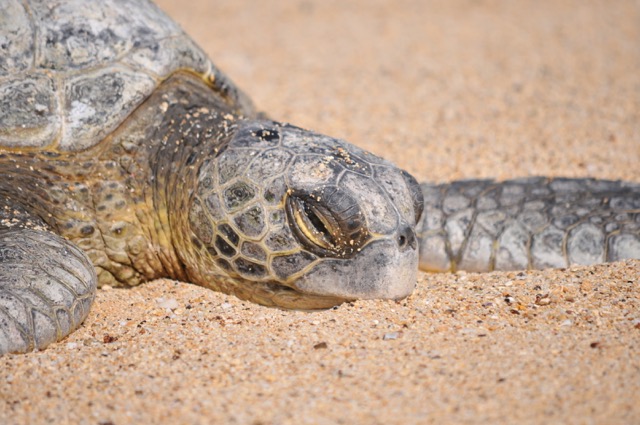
(275, 294)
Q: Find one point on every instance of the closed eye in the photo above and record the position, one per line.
(314, 224)
(339, 232)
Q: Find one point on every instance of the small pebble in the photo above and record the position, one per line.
(391, 335)
(543, 299)
(168, 303)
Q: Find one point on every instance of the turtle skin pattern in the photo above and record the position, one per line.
(529, 223)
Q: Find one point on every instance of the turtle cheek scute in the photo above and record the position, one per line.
(379, 212)
(200, 224)
(402, 189)
(417, 197)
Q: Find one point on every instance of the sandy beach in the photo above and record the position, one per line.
(447, 89)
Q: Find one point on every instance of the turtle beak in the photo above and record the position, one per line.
(384, 269)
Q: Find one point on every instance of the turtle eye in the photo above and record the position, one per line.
(323, 231)
(417, 197)
(314, 223)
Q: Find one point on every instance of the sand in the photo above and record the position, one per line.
(446, 89)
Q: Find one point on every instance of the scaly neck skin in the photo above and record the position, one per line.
(175, 174)
(194, 126)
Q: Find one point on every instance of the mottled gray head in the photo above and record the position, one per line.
(301, 220)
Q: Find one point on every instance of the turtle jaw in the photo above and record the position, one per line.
(381, 270)
(268, 293)
(274, 294)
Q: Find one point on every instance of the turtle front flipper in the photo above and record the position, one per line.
(534, 223)
(47, 284)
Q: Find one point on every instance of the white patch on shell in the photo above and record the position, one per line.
(81, 110)
(15, 38)
(97, 102)
(28, 111)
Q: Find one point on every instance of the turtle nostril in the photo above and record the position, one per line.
(406, 238)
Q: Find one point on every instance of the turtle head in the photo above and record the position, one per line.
(287, 217)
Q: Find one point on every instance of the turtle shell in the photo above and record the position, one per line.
(72, 70)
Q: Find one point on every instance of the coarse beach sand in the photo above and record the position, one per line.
(447, 89)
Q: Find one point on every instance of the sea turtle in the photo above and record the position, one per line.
(126, 156)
